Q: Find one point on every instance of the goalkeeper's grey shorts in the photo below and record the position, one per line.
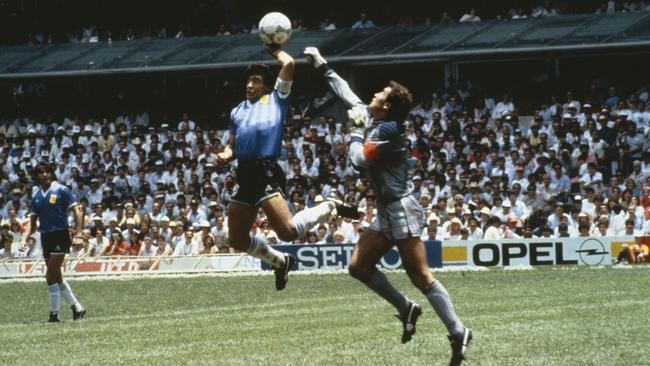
(399, 219)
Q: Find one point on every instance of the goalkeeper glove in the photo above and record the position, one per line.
(358, 117)
(313, 57)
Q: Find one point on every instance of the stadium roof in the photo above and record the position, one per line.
(553, 35)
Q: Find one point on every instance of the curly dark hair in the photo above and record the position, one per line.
(264, 71)
(400, 99)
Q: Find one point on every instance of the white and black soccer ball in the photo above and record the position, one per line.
(275, 28)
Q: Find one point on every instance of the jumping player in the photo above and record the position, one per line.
(50, 205)
(256, 129)
(378, 149)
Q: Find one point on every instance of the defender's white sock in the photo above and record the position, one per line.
(55, 298)
(306, 219)
(260, 248)
(69, 297)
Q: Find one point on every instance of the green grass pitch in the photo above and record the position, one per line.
(548, 316)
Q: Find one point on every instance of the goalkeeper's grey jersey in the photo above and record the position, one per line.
(384, 148)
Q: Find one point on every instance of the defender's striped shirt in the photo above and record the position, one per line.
(258, 127)
(52, 207)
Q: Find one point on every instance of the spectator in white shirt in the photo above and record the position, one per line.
(641, 117)
(327, 24)
(545, 10)
(520, 14)
(556, 218)
(602, 229)
(363, 22)
(645, 164)
(504, 212)
(147, 250)
(187, 246)
(646, 228)
(453, 230)
(493, 232)
(561, 180)
(475, 233)
(431, 233)
(592, 178)
(77, 249)
(342, 169)
(571, 229)
(617, 218)
(33, 251)
(99, 243)
(629, 230)
(571, 102)
(504, 107)
(470, 17)
(186, 123)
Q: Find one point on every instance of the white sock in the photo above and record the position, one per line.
(55, 298)
(306, 219)
(260, 248)
(69, 297)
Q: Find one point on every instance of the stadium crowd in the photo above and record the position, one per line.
(204, 19)
(575, 168)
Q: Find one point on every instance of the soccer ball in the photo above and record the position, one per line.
(275, 28)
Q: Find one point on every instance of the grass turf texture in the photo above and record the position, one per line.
(561, 316)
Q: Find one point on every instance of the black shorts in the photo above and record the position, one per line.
(56, 242)
(258, 180)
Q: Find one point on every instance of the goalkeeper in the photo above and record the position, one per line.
(378, 149)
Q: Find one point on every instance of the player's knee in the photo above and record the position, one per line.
(238, 241)
(286, 233)
(52, 276)
(360, 272)
(419, 278)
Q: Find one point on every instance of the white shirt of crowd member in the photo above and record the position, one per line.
(363, 22)
(470, 17)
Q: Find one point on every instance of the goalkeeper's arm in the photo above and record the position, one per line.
(339, 86)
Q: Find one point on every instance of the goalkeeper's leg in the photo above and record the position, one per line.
(371, 247)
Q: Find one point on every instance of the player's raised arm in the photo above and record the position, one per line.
(286, 61)
(285, 76)
(340, 87)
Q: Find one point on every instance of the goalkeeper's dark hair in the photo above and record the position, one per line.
(264, 71)
(400, 100)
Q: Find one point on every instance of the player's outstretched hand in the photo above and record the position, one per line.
(358, 117)
(314, 57)
(271, 47)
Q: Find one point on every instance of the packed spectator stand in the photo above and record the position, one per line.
(578, 167)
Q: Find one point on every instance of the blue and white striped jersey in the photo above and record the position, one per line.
(52, 207)
(258, 127)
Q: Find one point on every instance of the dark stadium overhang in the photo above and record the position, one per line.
(551, 38)
(586, 50)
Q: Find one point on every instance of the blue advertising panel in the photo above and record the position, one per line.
(337, 256)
